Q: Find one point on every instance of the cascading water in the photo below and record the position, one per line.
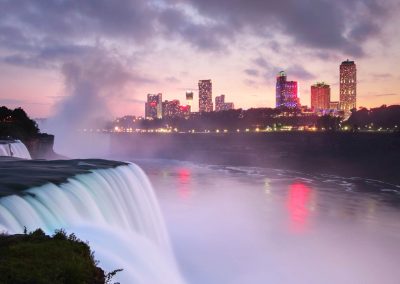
(114, 209)
(14, 148)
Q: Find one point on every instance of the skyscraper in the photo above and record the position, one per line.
(220, 103)
(189, 96)
(171, 108)
(153, 106)
(286, 92)
(348, 86)
(205, 96)
(189, 99)
(320, 97)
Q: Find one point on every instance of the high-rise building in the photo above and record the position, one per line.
(320, 97)
(221, 105)
(286, 92)
(348, 86)
(173, 109)
(189, 96)
(219, 101)
(184, 111)
(205, 96)
(189, 99)
(153, 106)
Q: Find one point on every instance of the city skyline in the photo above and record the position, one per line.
(286, 96)
(120, 53)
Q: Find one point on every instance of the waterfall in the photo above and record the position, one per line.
(14, 148)
(114, 209)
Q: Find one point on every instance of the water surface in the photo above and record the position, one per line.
(253, 225)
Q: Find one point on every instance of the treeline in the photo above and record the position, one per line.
(262, 118)
(385, 117)
(231, 120)
(16, 124)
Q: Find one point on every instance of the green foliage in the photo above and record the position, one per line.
(40, 259)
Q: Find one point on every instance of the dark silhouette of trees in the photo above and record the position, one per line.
(375, 118)
(386, 117)
(230, 120)
(16, 124)
(328, 122)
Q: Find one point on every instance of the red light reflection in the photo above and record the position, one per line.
(297, 202)
(183, 182)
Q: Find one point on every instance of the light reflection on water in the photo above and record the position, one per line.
(298, 201)
(249, 225)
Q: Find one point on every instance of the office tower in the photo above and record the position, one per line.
(219, 101)
(184, 111)
(348, 86)
(286, 92)
(171, 108)
(205, 96)
(220, 104)
(153, 106)
(320, 97)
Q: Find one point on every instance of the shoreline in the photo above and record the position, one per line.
(365, 155)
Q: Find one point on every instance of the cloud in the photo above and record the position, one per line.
(251, 83)
(135, 101)
(386, 95)
(381, 76)
(251, 72)
(172, 79)
(77, 19)
(299, 72)
(332, 25)
(25, 61)
(295, 71)
(207, 25)
(380, 95)
(8, 101)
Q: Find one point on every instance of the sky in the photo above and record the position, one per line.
(108, 55)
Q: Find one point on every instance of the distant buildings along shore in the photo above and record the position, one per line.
(286, 97)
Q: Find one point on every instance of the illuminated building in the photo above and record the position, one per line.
(153, 106)
(348, 86)
(320, 97)
(189, 99)
(221, 105)
(205, 96)
(173, 109)
(334, 105)
(189, 96)
(286, 92)
(184, 111)
(170, 108)
(219, 101)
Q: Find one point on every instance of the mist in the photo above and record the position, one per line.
(249, 225)
(90, 86)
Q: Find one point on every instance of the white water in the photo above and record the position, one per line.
(14, 148)
(114, 209)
